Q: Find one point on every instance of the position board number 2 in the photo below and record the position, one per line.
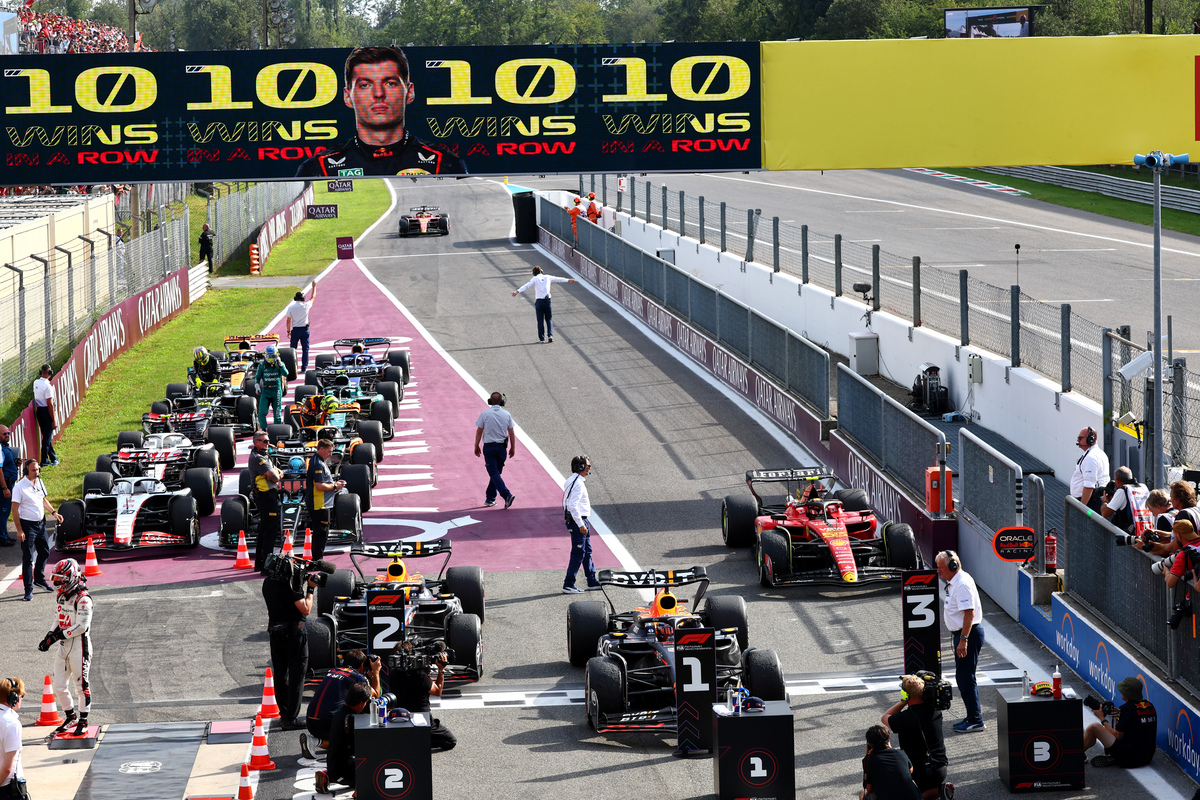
(381, 641)
(394, 779)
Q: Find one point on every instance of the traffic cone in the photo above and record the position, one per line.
(49, 708)
(245, 792)
(270, 709)
(259, 758)
(243, 553)
(308, 544)
(91, 567)
(287, 545)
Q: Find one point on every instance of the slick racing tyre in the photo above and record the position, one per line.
(465, 638)
(176, 390)
(221, 437)
(235, 518)
(729, 611)
(104, 463)
(853, 499)
(247, 411)
(71, 528)
(358, 482)
(347, 515)
(399, 358)
(371, 432)
(587, 621)
(321, 655)
(466, 583)
(901, 546)
(737, 521)
(101, 482)
(288, 356)
(763, 675)
(184, 522)
(364, 454)
(323, 360)
(340, 584)
(774, 560)
(602, 690)
(204, 491)
(133, 439)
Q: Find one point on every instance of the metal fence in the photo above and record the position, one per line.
(991, 485)
(798, 365)
(235, 216)
(150, 198)
(49, 301)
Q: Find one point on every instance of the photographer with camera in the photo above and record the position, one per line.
(339, 766)
(887, 773)
(1157, 539)
(1182, 566)
(1131, 742)
(288, 591)
(1126, 505)
(409, 682)
(330, 696)
(917, 721)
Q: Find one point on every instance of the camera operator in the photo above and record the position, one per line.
(330, 696)
(339, 766)
(1131, 742)
(1158, 539)
(1189, 553)
(1126, 505)
(887, 773)
(918, 724)
(288, 592)
(409, 681)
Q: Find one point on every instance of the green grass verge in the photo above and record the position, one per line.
(1092, 202)
(125, 389)
(310, 249)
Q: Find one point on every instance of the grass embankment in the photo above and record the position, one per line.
(1093, 202)
(125, 389)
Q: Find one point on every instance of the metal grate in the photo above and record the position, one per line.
(768, 347)
(733, 326)
(808, 373)
(991, 486)
(860, 413)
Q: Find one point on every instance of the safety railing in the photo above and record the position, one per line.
(1123, 188)
(991, 485)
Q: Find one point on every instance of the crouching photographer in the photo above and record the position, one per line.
(411, 686)
(917, 721)
(339, 764)
(1131, 741)
(887, 773)
(288, 591)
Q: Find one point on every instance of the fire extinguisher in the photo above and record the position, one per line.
(1052, 551)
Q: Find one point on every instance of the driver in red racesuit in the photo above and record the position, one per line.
(378, 89)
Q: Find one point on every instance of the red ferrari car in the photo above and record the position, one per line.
(424, 219)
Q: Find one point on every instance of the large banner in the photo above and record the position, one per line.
(238, 115)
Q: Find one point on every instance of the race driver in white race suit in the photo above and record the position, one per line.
(71, 638)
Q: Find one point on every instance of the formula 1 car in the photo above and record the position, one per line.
(351, 407)
(127, 513)
(174, 460)
(425, 220)
(364, 368)
(193, 411)
(803, 532)
(355, 443)
(424, 610)
(628, 657)
(241, 512)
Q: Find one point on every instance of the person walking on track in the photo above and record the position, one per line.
(541, 303)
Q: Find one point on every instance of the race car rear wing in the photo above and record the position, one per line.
(424, 209)
(401, 549)
(252, 338)
(370, 341)
(798, 474)
(652, 579)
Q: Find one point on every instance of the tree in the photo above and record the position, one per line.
(681, 19)
(848, 19)
(633, 21)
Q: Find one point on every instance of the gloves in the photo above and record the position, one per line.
(53, 636)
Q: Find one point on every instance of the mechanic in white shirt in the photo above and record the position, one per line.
(43, 402)
(1091, 471)
(297, 322)
(11, 773)
(576, 509)
(963, 613)
(541, 302)
(29, 500)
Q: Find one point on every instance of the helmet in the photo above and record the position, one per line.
(296, 464)
(201, 354)
(68, 577)
(329, 404)
(663, 631)
(577, 201)
(272, 352)
(1042, 689)
(591, 195)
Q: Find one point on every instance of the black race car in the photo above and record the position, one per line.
(192, 411)
(424, 220)
(424, 610)
(629, 657)
(127, 513)
(368, 374)
(173, 459)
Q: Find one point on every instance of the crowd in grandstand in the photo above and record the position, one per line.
(99, 188)
(54, 33)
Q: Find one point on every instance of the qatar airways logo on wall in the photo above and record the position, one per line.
(159, 303)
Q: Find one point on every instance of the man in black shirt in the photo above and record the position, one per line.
(340, 761)
(887, 773)
(288, 606)
(206, 246)
(322, 488)
(1133, 741)
(266, 496)
(413, 687)
(378, 89)
(919, 727)
(330, 695)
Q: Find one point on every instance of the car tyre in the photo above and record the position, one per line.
(763, 675)
(277, 432)
(464, 635)
(382, 412)
(393, 393)
(358, 482)
(737, 521)
(773, 547)
(321, 653)
(466, 583)
(204, 491)
(603, 692)
(312, 377)
(288, 356)
(245, 483)
(97, 482)
(587, 621)
(235, 518)
(900, 545)
(399, 358)
(729, 611)
(177, 390)
(340, 584)
(71, 528)
(161, 407)
(323, 360)
(134, 439)
(184, 521)
(364, 454)
(247, 412)
(104, 463)
(371, 432)
(853, 499)
(347, 515)
(221, 438)
(305, 391)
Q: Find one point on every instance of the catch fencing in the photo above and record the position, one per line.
(236, 216)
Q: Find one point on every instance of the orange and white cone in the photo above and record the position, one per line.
(243, 553)
(49, 707)
(287, 545)
(91, 567)
(259, 758)
(245, 790)
(308, 544)
(270, 709)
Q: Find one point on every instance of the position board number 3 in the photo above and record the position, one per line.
(394, 779)
(381, 641)
(923, 615)
(694, 684)
(756, 768)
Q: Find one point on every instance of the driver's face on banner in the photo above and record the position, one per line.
(378, 95)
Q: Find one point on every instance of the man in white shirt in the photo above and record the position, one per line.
(29, 500)
(11, 773)
(493, 430)
(576, 509)
(297, 322)
(1129, 507)
(43, 401)
(963, 613)
(1091, 471)
(541, 303)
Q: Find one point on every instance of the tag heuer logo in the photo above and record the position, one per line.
(350, 173)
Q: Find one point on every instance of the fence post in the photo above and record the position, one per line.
(1178, 412)
(964, 319)
(112, 268)
(604, 189)
(1066, 355)
(804, 254)
(702, 236)
(1014, 320)
(632, 198)
(1108, 415)
(70, 295)
(47, 311)
(874, 277)
(916, 284)
(837, 265)
(775, 240)
(664, 208)
(166, 240)
(24, 357)
(749, 235)
(581, 184)
(593, 183)
(722, 226)
(649, 203)
(619, 193)
(92, 277)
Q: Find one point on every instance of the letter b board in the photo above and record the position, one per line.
(695, 688)
(385, 620)
(922, 615)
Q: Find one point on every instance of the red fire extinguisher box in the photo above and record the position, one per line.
(933, 490)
